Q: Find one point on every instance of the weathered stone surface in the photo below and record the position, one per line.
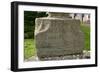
(85, 55)
(57, 35)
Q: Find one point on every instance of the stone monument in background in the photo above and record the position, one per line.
(58, 35)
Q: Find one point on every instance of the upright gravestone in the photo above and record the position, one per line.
(58, 35)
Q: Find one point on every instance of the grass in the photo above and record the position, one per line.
(86, 30)
(29, 48)
(29, 44)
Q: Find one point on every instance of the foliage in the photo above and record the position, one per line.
(29, 22)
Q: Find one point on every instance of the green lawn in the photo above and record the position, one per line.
(86, 31)
(29, 44)
(29, 48)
